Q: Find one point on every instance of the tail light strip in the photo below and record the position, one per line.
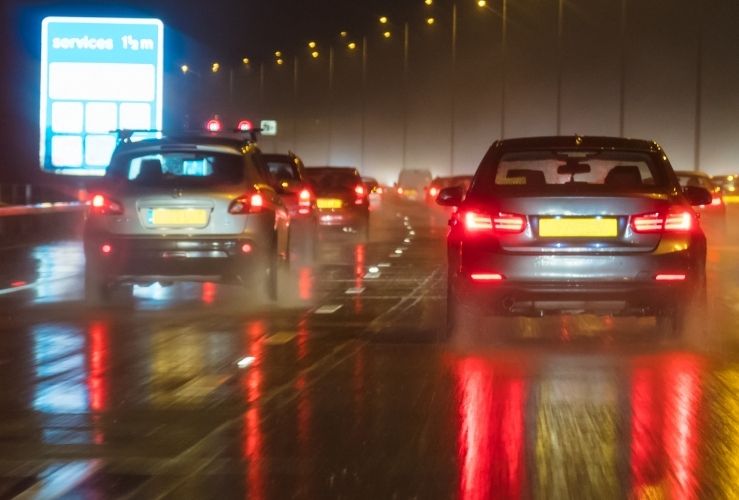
(499, 223)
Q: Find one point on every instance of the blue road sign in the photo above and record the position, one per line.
(97, 75)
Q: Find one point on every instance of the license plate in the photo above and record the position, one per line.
(329, 203)
(569, 227)
(190, 217)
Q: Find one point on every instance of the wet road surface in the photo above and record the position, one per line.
(344, 390)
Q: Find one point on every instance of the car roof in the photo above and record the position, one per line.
(599, 142)
(338, 170)
(691, 173)
(187, 139)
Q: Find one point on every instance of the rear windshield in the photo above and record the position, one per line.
(181, 169)
(282, 170)
(414, 178)
(562, 170)
(327, 180)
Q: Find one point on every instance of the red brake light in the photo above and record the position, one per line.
(486, 277)
(670, 277)
(247, 204)
(433, 192)
(304, 195)
(509, 223)
(474, 221)
(500, 223)
(400, 190)
(359, 189)
(647, 223)
(680, 221)
(213, 125)
(716, 201)
(102, 205)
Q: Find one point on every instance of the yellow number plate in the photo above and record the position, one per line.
(192, 217)
(578, 228)
(328, 203)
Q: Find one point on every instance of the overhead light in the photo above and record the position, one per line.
(383, 20)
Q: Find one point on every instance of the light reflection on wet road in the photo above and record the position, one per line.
(345, 391)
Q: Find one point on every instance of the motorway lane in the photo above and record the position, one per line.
(148, 400)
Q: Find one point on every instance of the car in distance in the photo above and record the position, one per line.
(440, 183)
(342, 199)
(699, 179)
(184, 208)
(287, 174)
(413, 183)
(565, 225)
(729, 185)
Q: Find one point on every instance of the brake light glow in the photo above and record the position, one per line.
(247, 204)
(670, 277)
(717, 201)
(486, 277)
(102, 205)
(246, 248)
(509, 223)
(400, 190)
(304, 195)
(106, 248)
(474, 221)
(433, 192)
(678, 221)
(359, 190)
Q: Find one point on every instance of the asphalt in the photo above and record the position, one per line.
(344, 388)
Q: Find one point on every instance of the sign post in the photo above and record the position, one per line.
(97, 75)
(269, 127)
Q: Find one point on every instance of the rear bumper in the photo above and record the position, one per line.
(539, 298)
(150, 259)
(613, 284)
(342, 217)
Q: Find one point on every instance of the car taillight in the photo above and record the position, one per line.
(247, 204)
(486, 277)
(501, 223)
(433, 192)
(102, 205)
(474, 221)
(680, 221)
(509, 223)
(717, 201)
(359, 191)
(671, 277)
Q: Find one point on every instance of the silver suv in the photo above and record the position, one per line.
(189, 208)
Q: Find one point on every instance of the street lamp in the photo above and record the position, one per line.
(215, 67)
(428, 2)
(245, 60)
(482, 3)
(184, 68)
(387, 34)
(351, 46)
(383, 20)
(430, 21)
(311, 45)
(315, 54)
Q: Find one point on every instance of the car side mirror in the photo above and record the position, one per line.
(698, 195)
(451, 196)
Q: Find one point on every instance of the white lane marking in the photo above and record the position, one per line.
(373, 270)
(398, 251)
(407, 240)
(355, 290)
(246, 362)
(328, 309)
(372, 276)
(280, 338)
(384, 264)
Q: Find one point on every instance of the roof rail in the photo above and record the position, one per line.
(124, 135)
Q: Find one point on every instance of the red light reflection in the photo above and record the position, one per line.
(665, 402)
(492, 437)
(208, 292)
(359, 260)
(98, 363)
(305, 283)
(253, 439)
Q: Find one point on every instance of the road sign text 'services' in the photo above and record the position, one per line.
(97, 75)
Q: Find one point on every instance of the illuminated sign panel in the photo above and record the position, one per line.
(97, 75)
